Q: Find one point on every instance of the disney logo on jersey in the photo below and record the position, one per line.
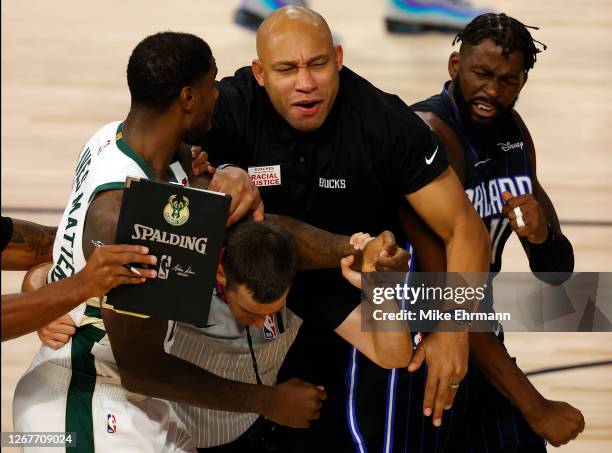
(510, 146)
(146, 233)
(176, 212)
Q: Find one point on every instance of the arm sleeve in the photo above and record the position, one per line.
(417, 155)
(7, 231)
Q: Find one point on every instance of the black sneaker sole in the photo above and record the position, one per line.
(247, 19)
(399, 27)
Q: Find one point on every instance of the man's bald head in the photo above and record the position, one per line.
(298, 66)
(291, 20)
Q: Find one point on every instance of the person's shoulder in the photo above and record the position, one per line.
(435, 123)
(432, 103)
(359, 92)
(518, 120)
(111, 159)
(243, 81)
(106, 132)
(375, 103)
(524, 131)
(100, 142)
(242, 75)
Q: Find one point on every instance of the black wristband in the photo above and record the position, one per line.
(553, 255)
(550, 239)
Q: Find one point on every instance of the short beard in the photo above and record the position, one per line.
(478, 129)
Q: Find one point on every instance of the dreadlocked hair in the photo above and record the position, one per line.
(506, 32)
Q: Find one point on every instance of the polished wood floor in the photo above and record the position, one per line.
(63, 76)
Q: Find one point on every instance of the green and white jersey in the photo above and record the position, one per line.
(77, 387)
(103, 164)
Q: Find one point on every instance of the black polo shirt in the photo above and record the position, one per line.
(347, 176)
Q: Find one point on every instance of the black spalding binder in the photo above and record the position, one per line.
(185, 229)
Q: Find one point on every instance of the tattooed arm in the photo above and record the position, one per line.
(27, 311)
(31, 244)
(320, 249)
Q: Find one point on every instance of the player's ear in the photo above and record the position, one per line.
(453, 64)
(339, 56)
(221, 279)
(187, 98)
(258, 71)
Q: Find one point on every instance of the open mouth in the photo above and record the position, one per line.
(308, 107)
(484, 109)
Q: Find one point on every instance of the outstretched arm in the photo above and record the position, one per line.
(31, 244)
(555, 421)
(25, 312)
(320, 249)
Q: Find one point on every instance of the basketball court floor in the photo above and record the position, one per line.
(63, 76)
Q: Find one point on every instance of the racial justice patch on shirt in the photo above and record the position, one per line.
(269, 175)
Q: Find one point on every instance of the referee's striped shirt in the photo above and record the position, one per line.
(222, 349)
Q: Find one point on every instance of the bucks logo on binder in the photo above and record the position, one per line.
(176, 211)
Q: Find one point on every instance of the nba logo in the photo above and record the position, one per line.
(269, 328)
(164, 267)
(111, 423)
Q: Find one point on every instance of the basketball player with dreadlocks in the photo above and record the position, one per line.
(491, 150)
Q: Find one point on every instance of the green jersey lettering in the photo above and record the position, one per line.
(76, 203)
(68, 264)
(57, 274)
(71, 223)
(70, 239)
